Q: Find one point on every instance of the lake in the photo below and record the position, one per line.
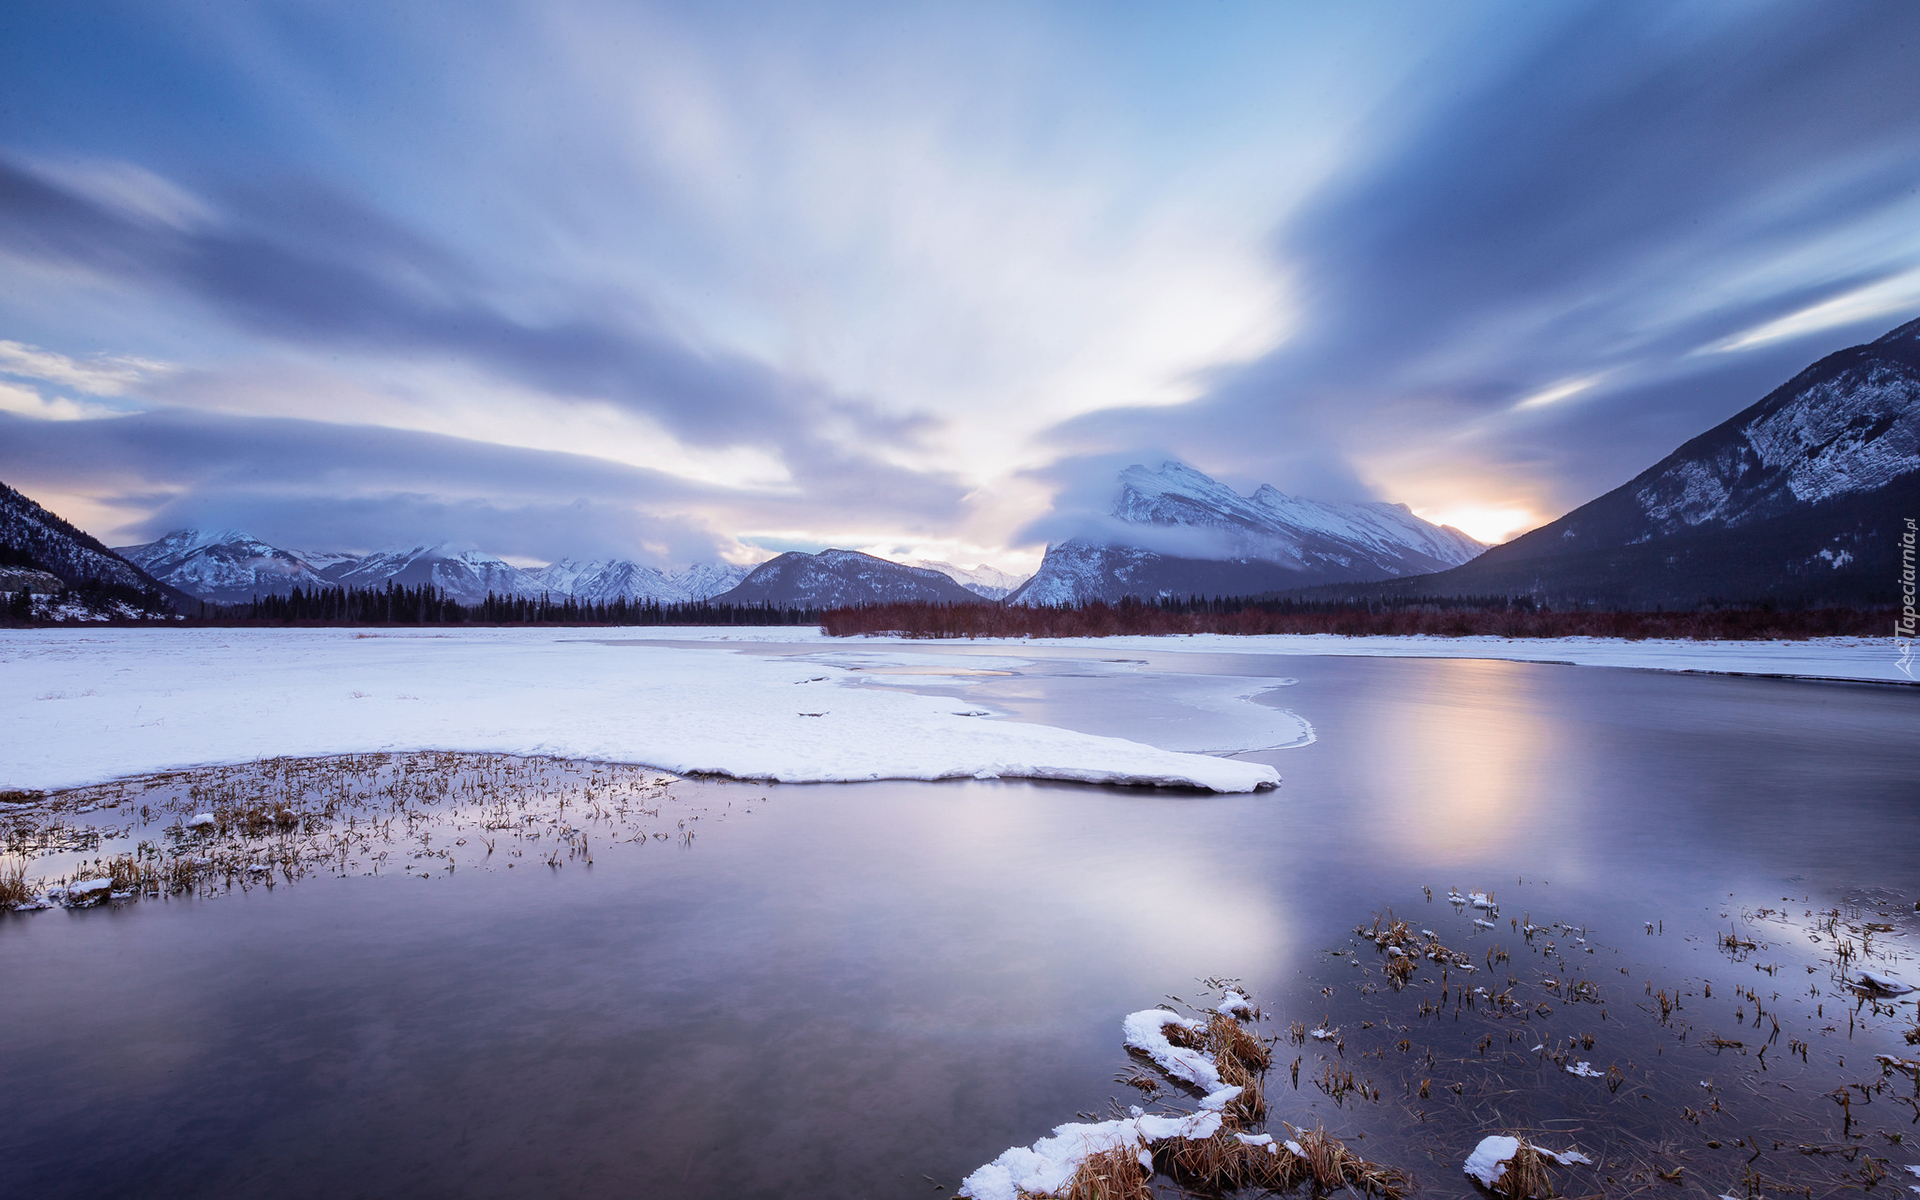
(871, 989)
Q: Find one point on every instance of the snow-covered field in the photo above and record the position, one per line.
(84, 706)
(81, 706)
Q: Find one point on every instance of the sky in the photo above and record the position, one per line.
(679, 282)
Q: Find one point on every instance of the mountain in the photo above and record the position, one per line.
(230, 567)
(990, 582)
(839, 578)
(611, 580)
(467, 575)
(1176, 532)
(1798, 499)
(227, 567)
(33, 539)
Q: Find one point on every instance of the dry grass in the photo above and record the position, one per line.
(13, 884)
(1110, 1175)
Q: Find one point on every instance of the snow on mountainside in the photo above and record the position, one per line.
(1177, 532)
(836, 578)
(990, 582)
(1849, 423)
(33, 539)
(226, 567)
(612, 580)
(1796, 499)
(230, 567)
(1846, 427)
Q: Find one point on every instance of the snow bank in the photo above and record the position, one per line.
(1045, 1167)
(81, 706)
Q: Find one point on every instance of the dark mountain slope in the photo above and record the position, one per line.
(1798, 499)
(33, 538)
(840, 578)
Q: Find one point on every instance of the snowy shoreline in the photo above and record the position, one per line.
(1834, 659)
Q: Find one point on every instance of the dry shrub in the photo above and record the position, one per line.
(1110, 1175)
(1332, 1166)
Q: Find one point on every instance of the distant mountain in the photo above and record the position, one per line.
(839, 578)
(1176, 532)
(611, 580)
(467, 575)
(226, 567)
(989, 582)
(1796, 499)
(34, 539)
(230, 567)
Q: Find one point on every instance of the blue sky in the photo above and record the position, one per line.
(672, 282)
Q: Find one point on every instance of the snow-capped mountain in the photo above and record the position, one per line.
(35, 540)
(1797, 498)
(466, 575)
(226, 567)
(839, 578)
(611, 580)
(231, 567)
(1177, 532)
(990, 582)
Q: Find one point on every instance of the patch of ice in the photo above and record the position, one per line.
(1880, 981)
(234, 695)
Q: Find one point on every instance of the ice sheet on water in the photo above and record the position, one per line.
(197, 697)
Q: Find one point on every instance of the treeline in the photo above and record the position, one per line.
(1436, 617)
(397, 604)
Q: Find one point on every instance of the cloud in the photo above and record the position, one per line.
(25, 402)
(99, 376)
(1575, 214)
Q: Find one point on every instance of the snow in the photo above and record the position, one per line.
(82, 706)
(1235, 1005)
(1584, 1070)
(1861, 658)
(1880, 981)
(199, 819)
(1489, 1159)
(1146, 1031)
(1045, 1167)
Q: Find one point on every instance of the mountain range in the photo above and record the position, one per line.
(230, 567)
(1797, 499)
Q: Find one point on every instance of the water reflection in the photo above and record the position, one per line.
(1461, 758)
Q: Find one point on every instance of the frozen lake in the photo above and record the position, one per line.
(869, 989)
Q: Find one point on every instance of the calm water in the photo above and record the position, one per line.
(859, 989)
